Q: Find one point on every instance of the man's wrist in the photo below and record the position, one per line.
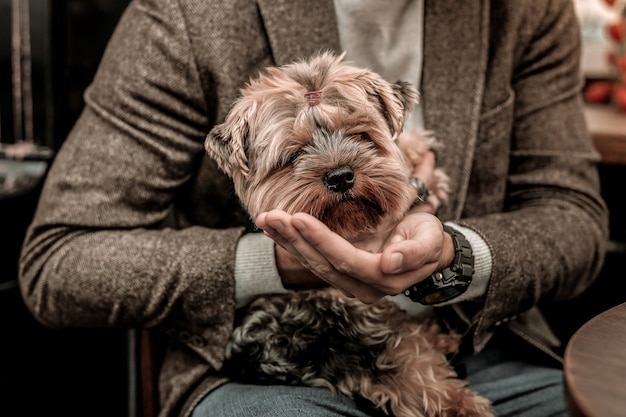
(255, 269)
(450, 282)
(293, 275)
(448, 252)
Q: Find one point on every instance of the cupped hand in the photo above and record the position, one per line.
(416, 247)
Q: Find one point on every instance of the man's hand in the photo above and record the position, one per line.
(424, 171)
(416, 248)
(293, 274)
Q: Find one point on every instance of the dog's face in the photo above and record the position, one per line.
(319, 137)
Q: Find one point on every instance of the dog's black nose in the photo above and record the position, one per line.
(339, 179)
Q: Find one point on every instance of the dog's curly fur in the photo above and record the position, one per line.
(376, 351)
(343, 158)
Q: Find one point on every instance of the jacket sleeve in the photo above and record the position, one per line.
(96, 253)
(549, 241)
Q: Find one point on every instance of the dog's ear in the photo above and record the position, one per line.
(227, 143)
(408, 96)
(396, 101)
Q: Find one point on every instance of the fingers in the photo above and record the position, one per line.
(426, 168)
(325, 253)
(407, 259)
(347, 266)
(277, 225)
(412, 253)
(424, 207)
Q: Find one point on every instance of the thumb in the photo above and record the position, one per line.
(415, 243)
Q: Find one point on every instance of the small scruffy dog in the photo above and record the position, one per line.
(325, 137)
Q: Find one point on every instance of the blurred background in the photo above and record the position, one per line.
(49, 52)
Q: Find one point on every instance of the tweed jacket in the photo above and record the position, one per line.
(137, 227)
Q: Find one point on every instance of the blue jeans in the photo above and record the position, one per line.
(516, 384)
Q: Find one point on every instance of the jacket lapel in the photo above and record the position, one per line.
(299, 28)
(452, 87)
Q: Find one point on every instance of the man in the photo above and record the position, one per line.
(137, 227)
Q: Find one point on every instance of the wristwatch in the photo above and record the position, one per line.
(451, 282)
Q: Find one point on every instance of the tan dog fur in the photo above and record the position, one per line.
(276, 146)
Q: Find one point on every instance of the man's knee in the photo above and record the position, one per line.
(239, 400)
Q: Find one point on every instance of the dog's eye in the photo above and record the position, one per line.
(293, 156)
(359, 137)
(365, 136)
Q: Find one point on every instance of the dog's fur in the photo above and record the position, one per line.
(325, 137)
